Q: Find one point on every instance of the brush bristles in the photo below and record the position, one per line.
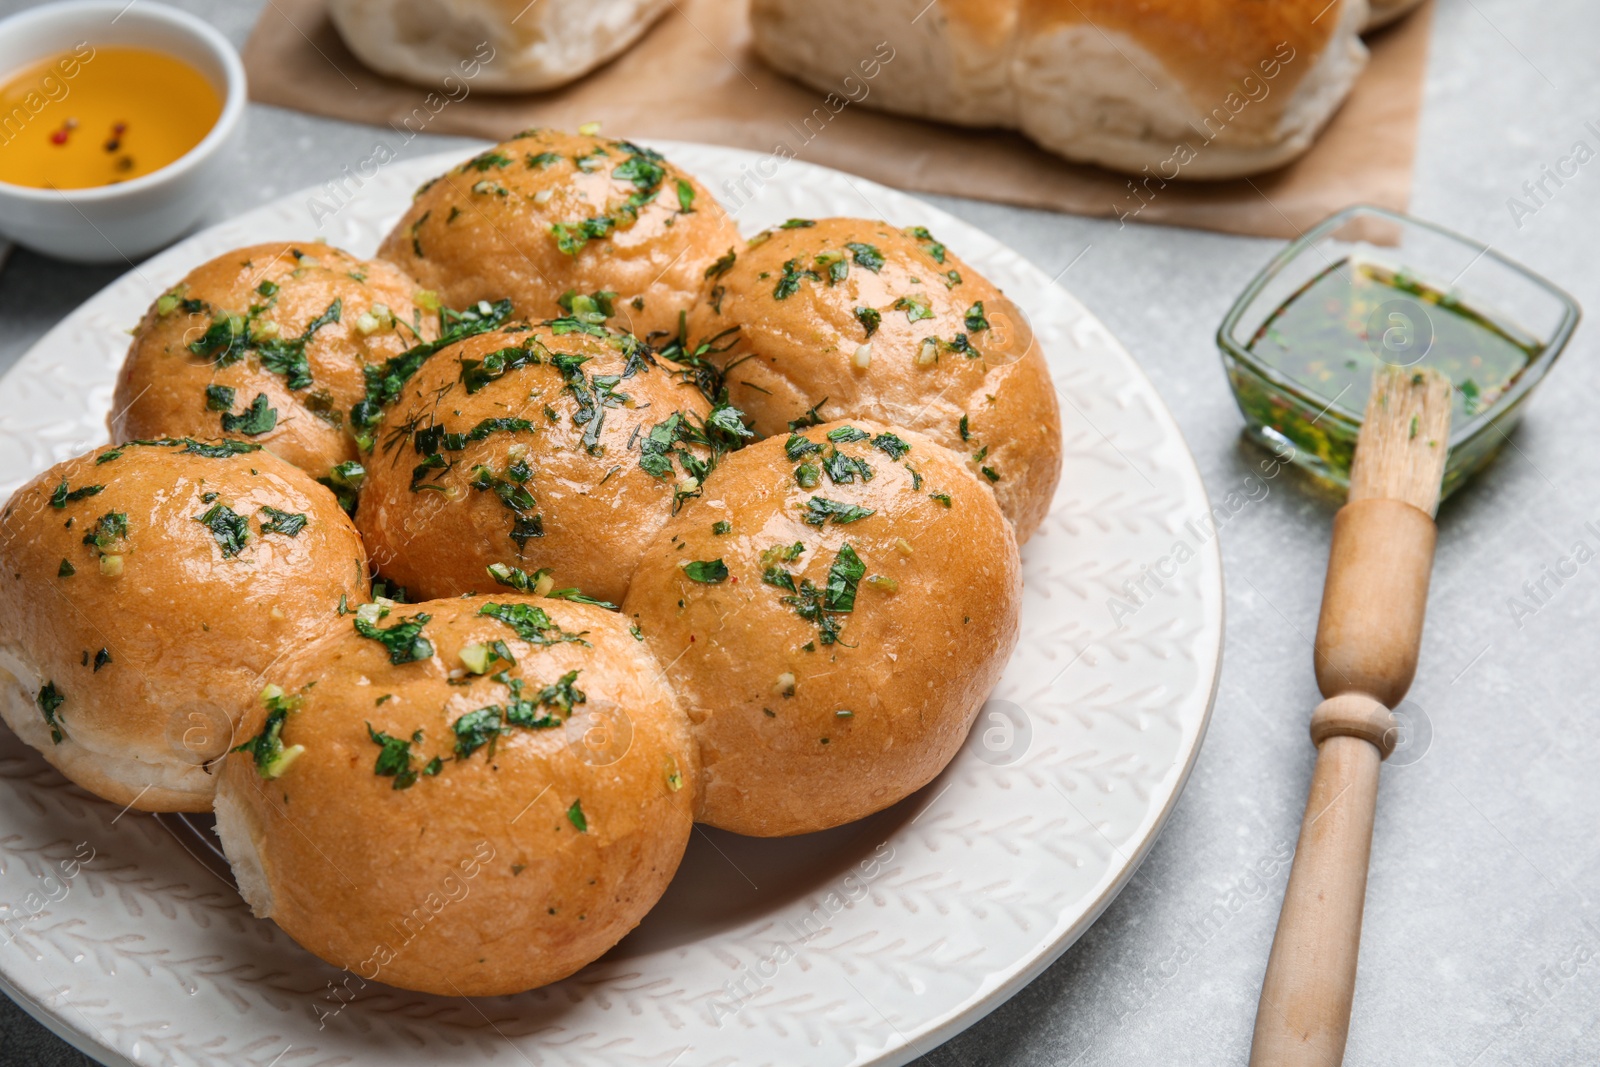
(1405, 438)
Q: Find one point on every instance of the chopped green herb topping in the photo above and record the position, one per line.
(708, 572)
(50, 701)
(934, 248)
(219, 398)
(789, 283)
(915, 307)
(819, 510)
(66, 570)
(404, 639)
(385, 380)
(799, 445)
(643, 170)
(102, 658)
(62, 497)
(108, 532)
(975, 320)
(394, 758)
(576, 817)
(549, 707)
(843, 469)
(482, 163)
(685, 196)
(797, 224)
(943, 498)
(845, 434)
(866, 256)
(812, 417)
(870, 319)
(288, 523)
(266, 748)
(723, 264)
(890, 445)
(257, 419)
(843, 576)
(227, 527)
(477, 373)
(531, 623)
(720, 528)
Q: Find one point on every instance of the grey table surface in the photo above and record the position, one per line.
(1482, 938)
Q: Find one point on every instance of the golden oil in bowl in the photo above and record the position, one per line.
(98, 116)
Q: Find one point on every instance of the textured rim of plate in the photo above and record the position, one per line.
(1134, 516)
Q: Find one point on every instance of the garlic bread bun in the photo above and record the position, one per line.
(548, 213)
(474, 798)
(559, 446)
(831, 636)
(857, 319)
(146, 588)
(268, 343)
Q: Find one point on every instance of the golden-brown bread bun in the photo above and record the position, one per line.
(457, 823)
(146, 588)
(498, 45)
(867, 321)
(267, 342)
(830, 637)
(548, 213)
(1164, 88)
(562, 457)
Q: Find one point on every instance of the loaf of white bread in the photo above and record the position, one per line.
(500, 45)
(1185, 88)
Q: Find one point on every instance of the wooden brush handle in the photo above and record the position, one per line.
(1366, 655)
(1304, 1015)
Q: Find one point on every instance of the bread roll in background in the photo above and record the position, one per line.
(146, 588)
(832, 614)
(858, 319)
(268, 343)
(547, 214)
(478, 799)
(1216, 89)
(501, 45)
(533, 448)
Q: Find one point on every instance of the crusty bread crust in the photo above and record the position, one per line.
(148, 659)
(487, 230)
(1187, 89)
(991, 400)
(798, 732)
(512, 866)
(497, 45)
(561, 459)
(162, 388)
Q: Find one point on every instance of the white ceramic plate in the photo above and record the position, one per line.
(869, 944)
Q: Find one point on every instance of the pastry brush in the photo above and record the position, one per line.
(1366, 655)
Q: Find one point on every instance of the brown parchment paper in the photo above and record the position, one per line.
(695, 77)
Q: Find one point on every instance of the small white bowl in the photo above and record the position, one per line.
(122, 222)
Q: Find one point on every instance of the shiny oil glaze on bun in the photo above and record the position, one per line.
(145, 588)
(832, 614)
(546, 214)
(468, 797)
(849, 318)
(559, 447)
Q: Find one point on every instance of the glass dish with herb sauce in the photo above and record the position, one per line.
(1370, 285)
